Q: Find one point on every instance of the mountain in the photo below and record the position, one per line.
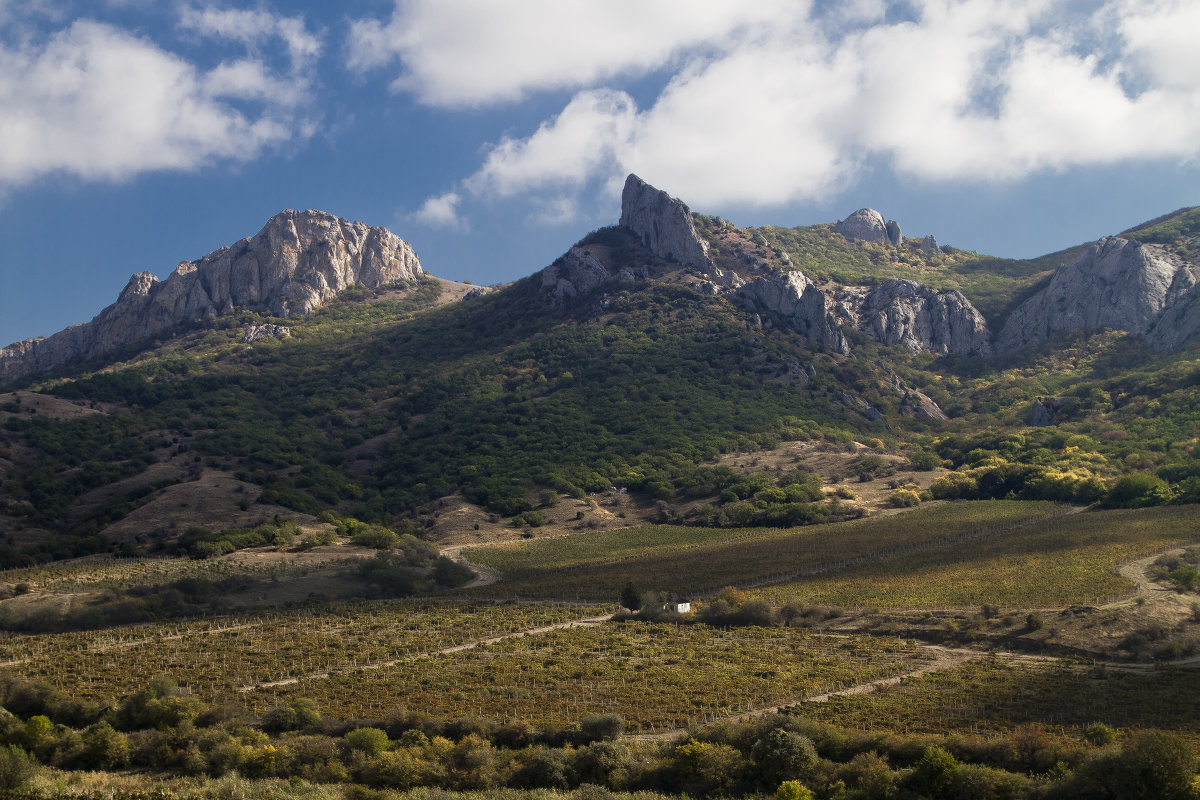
(297, 262)
(246, 386)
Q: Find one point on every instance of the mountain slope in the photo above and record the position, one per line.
(616, 366)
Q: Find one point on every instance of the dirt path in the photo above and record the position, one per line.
(484, 575)
(459, 648)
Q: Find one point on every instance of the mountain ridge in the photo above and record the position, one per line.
(300, 260)
(295, 263)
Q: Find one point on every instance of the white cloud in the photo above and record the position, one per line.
(474, 52)
(564, 151)
(253, 27)
(968, 89)
(440, 212)
(97, 102)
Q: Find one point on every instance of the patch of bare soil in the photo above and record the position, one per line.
(46, 406)
(214, 500)
(455, 522)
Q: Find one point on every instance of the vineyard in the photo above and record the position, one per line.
(697, 561)
(993, 695)
(216, 658)
(1055, 562)
(655, 676)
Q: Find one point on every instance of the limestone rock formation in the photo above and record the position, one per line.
(298, 261)
(896, 312)
(864, 225)
(1116, 283)
(663, 223)
(930, 245)
(893, 232)
(1044, 411)
(256, 333)
(1179, 324)
(913, 316)
(799, 304)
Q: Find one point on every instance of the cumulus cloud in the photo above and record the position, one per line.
(790, 104)
(440, 212)
(95, 101)
(475, 52)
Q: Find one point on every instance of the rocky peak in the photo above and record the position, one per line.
(865, 225)
(663, 223)
(298, 261)
(1116, 283)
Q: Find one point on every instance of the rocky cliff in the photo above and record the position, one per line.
(298, 261)
(799, 304)
(1116, 283)
(896, 313)
(663, 223)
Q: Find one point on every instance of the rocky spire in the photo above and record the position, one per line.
(663, 223)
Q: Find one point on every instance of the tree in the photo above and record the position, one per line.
(783, 756)
(630, 598)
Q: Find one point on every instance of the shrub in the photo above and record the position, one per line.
(16, 767)
(794, 790)
(367, 740)
(602, 726)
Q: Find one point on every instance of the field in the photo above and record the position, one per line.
(655, 676)
(215, 658)
(958, 554)
(478, 686)
(993, 695)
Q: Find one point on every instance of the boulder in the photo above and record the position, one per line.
(865, 225)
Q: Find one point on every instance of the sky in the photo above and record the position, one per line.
(135, 134)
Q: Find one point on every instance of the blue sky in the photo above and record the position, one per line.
(135, 134)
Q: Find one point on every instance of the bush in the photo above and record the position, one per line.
(1138, 491)
(16, 767)
(367, 740)
(597, 727)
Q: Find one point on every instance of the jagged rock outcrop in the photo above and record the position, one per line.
(864, 225)
(913, 316)
(799, 304)
(1044, 411)
(580, 271)
(896, 312)
(1116, 283)
(1178, 326)
(298, 261)
(256, 333)
(893, 232)
(930, 245)
(663, 223)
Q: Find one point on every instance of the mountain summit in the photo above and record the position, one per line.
(297, 262)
